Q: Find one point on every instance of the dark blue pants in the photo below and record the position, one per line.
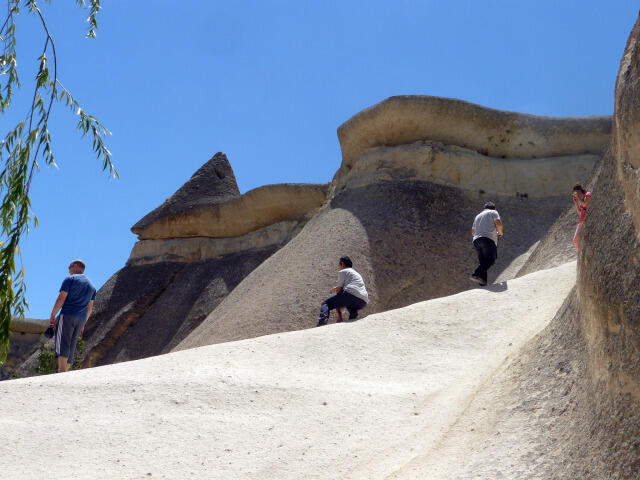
(487, 254)
(340, 300)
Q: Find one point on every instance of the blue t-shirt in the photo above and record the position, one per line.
(80, 291)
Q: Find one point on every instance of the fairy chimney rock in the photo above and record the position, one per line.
(212, 184)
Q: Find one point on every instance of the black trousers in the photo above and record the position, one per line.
(487, 254)
(339, 300)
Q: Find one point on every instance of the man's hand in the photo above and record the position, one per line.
(499, 227)
(62, 296)
(89, 310)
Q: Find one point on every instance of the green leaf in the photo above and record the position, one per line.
(21, 148)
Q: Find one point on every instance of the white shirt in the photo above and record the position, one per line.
(484, 225)
(351, 282)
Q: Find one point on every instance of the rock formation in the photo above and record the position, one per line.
(212, 265)
(608, 287)
(465, 145)
(25, 338)
(576, 386)
(466, 398)
(256, 209)
(415, 172)
(193, 250)
(373, 399)
(212, 184)
(403, 120)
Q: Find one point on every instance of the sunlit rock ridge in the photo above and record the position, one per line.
(211, 263)
(469, 146)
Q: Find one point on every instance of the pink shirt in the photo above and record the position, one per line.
(583, 208)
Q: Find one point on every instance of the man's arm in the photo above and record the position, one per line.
(473, 232)
(89, 310)
(498, 224)
(57, 306)
(341, 280)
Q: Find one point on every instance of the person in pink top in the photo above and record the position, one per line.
(581, 200)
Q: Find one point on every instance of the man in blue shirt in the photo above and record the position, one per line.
(75, 303)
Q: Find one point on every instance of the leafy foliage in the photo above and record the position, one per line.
(26, 143)
(47, 358)
(77, 356)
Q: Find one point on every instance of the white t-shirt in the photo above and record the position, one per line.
(351, 282)
(485, 225)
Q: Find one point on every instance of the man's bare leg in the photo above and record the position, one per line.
(339, 311)
(63, 366)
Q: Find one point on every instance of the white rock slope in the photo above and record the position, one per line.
(359, 400)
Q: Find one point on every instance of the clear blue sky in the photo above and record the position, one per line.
(268, 83)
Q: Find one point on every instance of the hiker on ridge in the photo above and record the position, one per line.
(487, 227)
(581, 200)
(75, 303)
(350, 293)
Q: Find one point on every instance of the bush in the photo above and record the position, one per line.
(77, 356)
(47, 358)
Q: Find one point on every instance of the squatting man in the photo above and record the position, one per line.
(350, 293)
(75, 302)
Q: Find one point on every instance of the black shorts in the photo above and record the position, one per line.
(68, 330)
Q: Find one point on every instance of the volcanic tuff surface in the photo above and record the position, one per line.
(536, 377)
(212, 184)
(370, 399)
(212, 265)
(415, 172)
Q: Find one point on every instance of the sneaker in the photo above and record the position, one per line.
(321, 323)
(353, 315)
(477, 279)
(483, 284)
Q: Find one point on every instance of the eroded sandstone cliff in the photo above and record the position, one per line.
(576, 387)
(415, 172)
(469, 146)
(194, 249)
(609, 280)
(212, 265)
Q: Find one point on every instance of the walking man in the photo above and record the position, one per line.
(75, 303)
(350, 293)
(487, 227)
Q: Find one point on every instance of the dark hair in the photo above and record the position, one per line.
(578, 186)
(347, 261)
(490, 205)
(79, 263)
